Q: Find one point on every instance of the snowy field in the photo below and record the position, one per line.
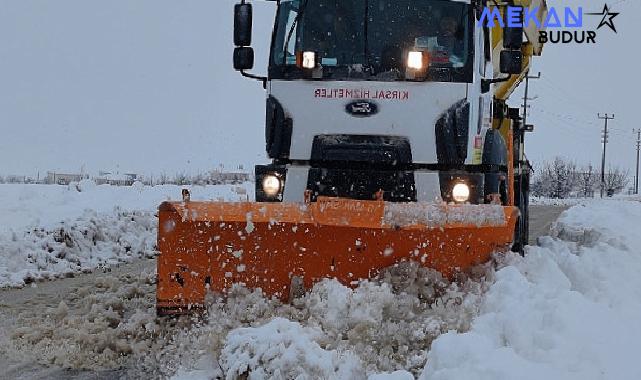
(569, 309)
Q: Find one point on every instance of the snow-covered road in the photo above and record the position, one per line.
(541, 220)
(97, 318)
(569, 309)
(52, 351)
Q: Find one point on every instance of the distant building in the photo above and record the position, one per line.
(13, 179)
(54, 178)
(107, 178)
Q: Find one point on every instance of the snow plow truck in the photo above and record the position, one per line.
(390, 140)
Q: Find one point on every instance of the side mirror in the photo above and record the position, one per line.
(242, 24)
(511, 62)
(512, 37)
(243, 53)
(243, 58)
(513, 31)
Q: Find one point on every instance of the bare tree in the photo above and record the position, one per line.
(163, 179)
(200, 179)
(615, 180)
(15, 179)
(181, 179)
(556, 179)
(587, 181)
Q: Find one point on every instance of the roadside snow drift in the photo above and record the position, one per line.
(570, 309)
(92, 240)
(48, 231)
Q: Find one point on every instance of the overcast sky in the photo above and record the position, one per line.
(148, 86)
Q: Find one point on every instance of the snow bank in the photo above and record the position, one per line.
(52, 231)
(568, 310)
(80, 245)
(543, 201)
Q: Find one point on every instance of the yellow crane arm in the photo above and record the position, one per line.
(531, 48)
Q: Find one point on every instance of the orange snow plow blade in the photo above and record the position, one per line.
(209, 246)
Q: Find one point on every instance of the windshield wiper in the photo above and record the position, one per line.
(301, 10)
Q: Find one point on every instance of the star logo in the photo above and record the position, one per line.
(607, 18)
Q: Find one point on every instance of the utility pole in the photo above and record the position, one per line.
(525, 98)
(525, 127)
(636, 177)
(605, 144)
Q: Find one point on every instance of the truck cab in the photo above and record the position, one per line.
(385, 99)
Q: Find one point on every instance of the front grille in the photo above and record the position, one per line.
(362, 184)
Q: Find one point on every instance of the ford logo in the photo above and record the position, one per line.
(361, 108)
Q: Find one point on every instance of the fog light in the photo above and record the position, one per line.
(461, 193)
(271, 185)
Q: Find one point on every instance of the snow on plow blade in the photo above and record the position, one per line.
(209, 246)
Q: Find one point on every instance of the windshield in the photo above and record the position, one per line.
(369, 39)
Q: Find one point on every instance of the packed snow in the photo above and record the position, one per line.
(93, 328)
(438, 215)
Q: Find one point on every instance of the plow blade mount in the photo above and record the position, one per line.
(209, 246)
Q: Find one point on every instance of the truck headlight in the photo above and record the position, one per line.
(271, 185)
(306, 60)
(270, 182)
(309, 60)
(417, 60)
(461, 193)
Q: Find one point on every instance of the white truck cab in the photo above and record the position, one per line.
(380, 98)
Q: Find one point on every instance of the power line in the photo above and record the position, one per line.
(619, 2)
(568, 118)
(579, 108)
(560, 122)
(575, 116)
(569, 95)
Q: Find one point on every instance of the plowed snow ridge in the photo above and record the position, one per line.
(52, 231)
(567, 310)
